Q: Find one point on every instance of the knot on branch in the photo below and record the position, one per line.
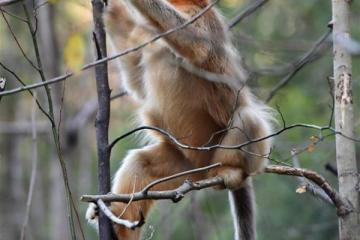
(344, 210)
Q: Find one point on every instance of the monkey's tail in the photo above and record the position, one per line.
(242, 204)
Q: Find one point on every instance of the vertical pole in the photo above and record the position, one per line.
(348, 177)
(103, 115)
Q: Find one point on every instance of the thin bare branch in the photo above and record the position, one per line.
(17, 41)
(70, 201)
(238, 146)
(33, 169)
(342, 206)
(246, 12)
(308, 57)
(196, 170)
(174, 195)
(113, 218)
(42, 109)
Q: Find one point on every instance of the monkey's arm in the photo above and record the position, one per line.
(126, 33)
(196, 42)
(119, 20)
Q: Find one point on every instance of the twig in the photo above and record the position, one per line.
(70, 201)
(17, 41)
(13, 15)
(87, 112)
(303, 61)
(37, 85)
(238, 146)
(129, 203)
(33, 170)
(29, 91)
(112, 217)
(247, 12)
(196, 170)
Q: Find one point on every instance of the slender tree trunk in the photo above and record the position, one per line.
(103, 115)
(50, 54)
(349, 225)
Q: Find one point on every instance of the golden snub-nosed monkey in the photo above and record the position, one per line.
(186, 104)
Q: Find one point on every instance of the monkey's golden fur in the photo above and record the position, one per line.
(188, 106)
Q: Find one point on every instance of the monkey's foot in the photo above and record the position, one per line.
(233, 177)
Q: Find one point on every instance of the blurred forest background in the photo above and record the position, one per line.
(271, 40)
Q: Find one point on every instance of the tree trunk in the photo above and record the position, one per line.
(103, 115)
(50, 55)
(349, 225)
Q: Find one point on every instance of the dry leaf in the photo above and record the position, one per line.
(301, 189)
(311, 148)
(314, 138)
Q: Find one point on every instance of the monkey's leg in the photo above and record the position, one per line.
(140, 168)
(251, 123)
(248, 125)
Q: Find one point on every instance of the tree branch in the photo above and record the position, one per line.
(342, 206)
(113, 218)
(308, 57)
(177, 194)
(247, 12)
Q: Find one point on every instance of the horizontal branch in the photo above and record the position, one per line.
(174, 195)
(37, 85)
(177, 194)
(196, 170)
